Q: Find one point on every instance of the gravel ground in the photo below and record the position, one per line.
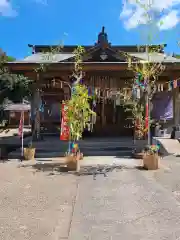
(169, 176)
(127, 204)
(34, 206)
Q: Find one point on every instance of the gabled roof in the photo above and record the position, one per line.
(71, 48)
(102, 40)
(101, 52)
(113, 57)
(46, 57)
(155, 57)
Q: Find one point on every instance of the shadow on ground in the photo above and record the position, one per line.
(61, 168)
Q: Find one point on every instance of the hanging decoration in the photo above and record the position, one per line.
(139, 81)
(137, 89)
(160, 87)
(74, 148)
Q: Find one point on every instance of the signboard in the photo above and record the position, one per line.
(64, 135)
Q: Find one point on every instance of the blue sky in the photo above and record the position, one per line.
(46, 21)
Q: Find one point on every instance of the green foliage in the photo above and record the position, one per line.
(79, 111)
(177, 56)
(78, 52)
(13, 86)
(10, 59)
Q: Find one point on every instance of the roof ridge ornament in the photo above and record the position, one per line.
(103, 38)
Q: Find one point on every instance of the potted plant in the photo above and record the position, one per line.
(151, 157)
(29, 152)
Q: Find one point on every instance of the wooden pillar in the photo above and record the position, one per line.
(103, 120)
(176, 107)
(36, 102)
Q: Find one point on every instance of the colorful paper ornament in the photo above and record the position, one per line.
(138, 93)
(175, 84)
(75, 145)
(169, 86)
(94, 103)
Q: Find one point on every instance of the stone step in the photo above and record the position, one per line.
(83, 148)
(17, 154)
(83, 143)
(52, 147)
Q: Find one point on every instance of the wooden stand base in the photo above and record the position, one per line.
(29, 153)
(151, 161)
(73, 162)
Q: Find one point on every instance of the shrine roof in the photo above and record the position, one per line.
(64, 57)
(46, 58)
(155, 57)
(71, 48)
(17, 107)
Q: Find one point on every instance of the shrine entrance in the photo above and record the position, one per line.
(112, 119)
(115, 122)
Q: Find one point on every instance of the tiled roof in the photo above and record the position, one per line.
(155, 57)
(46, 57)
(61, 57)
(17, 107)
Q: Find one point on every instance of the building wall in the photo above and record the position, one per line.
(14, 118)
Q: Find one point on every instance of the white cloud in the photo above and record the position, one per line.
(134, 13)
(6, 9)
(169, 21)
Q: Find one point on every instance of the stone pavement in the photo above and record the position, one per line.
(128, 204)
(34, 206)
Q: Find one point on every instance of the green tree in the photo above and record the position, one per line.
(177, 56)
(15, 87)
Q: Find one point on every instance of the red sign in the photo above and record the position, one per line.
(64, 124)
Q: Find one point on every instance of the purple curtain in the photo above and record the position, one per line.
(162, 106)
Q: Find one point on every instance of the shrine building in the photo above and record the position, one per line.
(106, 71)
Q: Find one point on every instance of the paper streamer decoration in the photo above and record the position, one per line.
(175, 84)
